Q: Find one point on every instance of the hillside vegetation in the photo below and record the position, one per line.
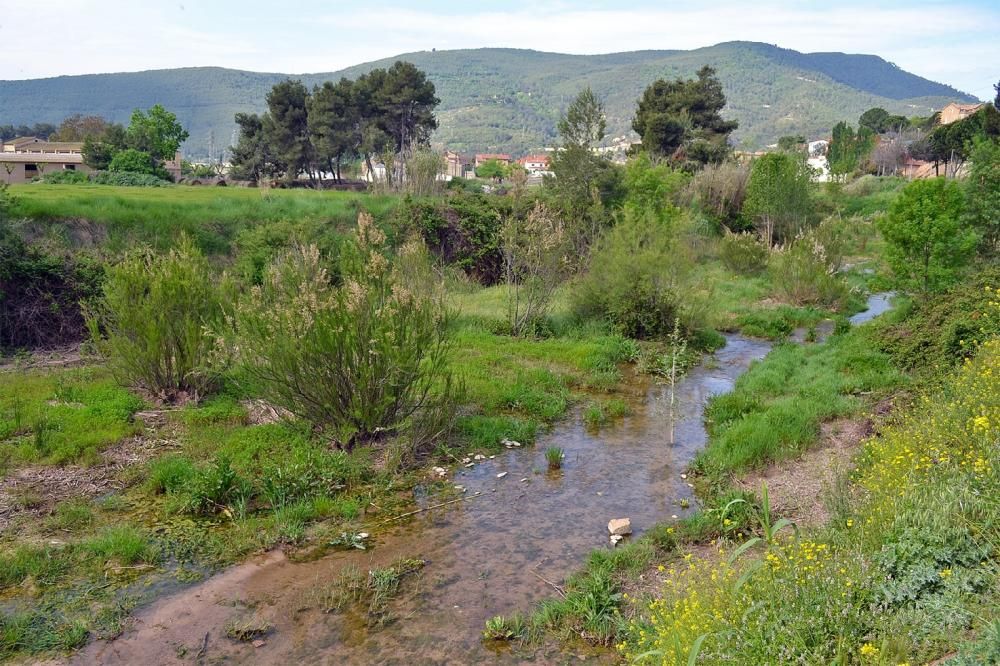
(509, 99)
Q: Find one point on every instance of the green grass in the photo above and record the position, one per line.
(776, 408)
(594, 596)
(122, 544)
(65, 416)
(156, 216)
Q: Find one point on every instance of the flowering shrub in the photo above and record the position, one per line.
(743, 253)
(151, 321)
(355, 360)
(805, 271)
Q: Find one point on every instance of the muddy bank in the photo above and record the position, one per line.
(484, 556)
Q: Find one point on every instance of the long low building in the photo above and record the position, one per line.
(27, 158)
(24, 167)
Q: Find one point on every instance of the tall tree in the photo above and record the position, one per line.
(584, 122)
(286, 128)
(583, 181)
(405, 101)
(777, 197)
(982, 190)
(681, 119)
(875, 119)
(849, 150)
(98, 151)
(334, 123)
(156, 132)
(78, 127)
(251, 156)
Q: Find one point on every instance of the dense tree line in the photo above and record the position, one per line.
(380, 116)
(40, 130)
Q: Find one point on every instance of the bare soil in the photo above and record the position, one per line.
(34, 492)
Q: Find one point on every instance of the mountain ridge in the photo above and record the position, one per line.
(509, 99)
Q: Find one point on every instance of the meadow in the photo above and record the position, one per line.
(112, 485)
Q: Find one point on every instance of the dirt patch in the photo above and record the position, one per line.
(261, 412)
(798, 488)
(66, 356)
(33, 492)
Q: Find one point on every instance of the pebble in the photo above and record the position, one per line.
(501, 475)
(479, 456)
(259, 643)
(674, 516)
(524, 480)
(471, 465)
(684, 476)
(615, 538)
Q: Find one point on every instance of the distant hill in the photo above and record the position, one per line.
(509, 99)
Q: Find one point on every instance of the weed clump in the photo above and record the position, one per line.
(358, 361)
(554, 457)
(151, 323)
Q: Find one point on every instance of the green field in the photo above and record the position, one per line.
(213, 216)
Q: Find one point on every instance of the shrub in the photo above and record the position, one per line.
(150, 322)
(927, 243)
(128, 179)
(40, 293)
(719, 190)
(635, 276)
(66, 177)
(355, 361)
(743, 253)
(131, 160)
(804, 272)
(536, 261)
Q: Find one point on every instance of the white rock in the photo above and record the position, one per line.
(684, 476)
(620, 526)
(615, 538)
(479, 456)
(471, 465)
(501, 475)
(674, 516)
(440, 470)
(362, 535)
(492, 457)
(524, 480)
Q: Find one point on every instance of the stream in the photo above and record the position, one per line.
(494, 553)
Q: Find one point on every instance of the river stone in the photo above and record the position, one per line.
(620, 526)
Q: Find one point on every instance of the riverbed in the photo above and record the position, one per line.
(518, 529)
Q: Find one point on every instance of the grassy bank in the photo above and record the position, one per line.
(213, 216)
(206, 485)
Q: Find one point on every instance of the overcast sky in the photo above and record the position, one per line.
(952, 42)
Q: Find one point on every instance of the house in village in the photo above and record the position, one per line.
(955, 111)
(535, 164)
(483, 158)
(457, 165)
(26, 158)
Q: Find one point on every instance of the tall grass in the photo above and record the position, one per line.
(777, 406)
(211, 216)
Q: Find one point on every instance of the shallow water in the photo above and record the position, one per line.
(485, 556)
(877, 304)
(493, 553)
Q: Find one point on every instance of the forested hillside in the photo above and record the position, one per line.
(509, 99)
